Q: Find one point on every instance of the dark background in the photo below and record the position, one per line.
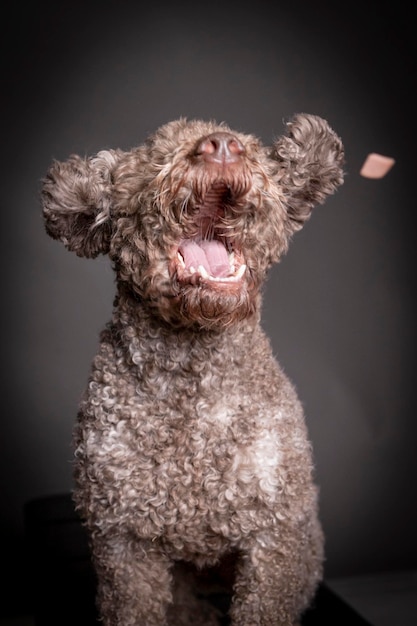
(340, 308)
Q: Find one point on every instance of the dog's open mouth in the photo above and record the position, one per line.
(208, 260)
(209, 255)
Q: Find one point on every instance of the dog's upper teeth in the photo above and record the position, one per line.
(241, 271)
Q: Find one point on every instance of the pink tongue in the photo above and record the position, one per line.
(217, 257)
(212, 255)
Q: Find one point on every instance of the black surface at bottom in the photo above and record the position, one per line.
(63, 581)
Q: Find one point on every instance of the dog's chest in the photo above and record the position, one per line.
(220, 442)
(176, 473)
(232, 451)
(191, 441)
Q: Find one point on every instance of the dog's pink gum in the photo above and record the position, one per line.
(376, 165)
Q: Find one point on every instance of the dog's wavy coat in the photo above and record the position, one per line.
(190, 443)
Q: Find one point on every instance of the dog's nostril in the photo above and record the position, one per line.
(220, 146)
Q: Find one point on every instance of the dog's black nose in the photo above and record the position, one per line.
(220, 147)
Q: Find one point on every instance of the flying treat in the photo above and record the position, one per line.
(376, 165)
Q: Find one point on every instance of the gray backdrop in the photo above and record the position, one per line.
(81, 76)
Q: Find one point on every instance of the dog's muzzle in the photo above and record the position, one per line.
(208, 254)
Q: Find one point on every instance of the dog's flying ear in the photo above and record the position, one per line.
(76, 199)
(311, 159)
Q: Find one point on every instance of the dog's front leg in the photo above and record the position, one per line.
(134, 580)
(276, 576)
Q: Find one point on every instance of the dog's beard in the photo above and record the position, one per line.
(215, 309)
(209, 272)
(209, 252)
(213, 221)
(207, 281)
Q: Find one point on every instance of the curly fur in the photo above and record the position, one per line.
(190, 443)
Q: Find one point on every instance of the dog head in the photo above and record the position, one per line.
(193, 219)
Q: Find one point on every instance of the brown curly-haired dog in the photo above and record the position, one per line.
(190, 443)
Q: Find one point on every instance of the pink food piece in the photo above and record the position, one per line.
(376, 165)
(217, 257)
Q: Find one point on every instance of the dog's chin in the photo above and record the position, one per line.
(215, 305)
(214, 302)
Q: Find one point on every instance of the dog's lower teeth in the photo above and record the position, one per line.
(202, 270)
(227, 279)
(203, 273)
